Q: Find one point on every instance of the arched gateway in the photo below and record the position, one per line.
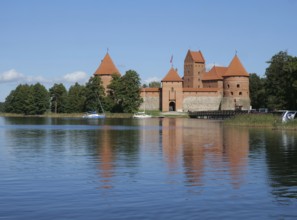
(171, 106)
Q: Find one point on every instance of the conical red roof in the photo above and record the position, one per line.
(172, 76)
(235, 68)
(106, 67)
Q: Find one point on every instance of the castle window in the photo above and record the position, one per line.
(231, 93)
(228, 86)
(240, 93)
(172, 89)
(238, 85)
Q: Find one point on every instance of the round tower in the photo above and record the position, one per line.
(236, 94)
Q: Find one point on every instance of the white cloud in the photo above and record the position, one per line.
(78, 76)
(11, 76)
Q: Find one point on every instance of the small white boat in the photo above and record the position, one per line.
(141, 115)
(93, 115)
(288, 116)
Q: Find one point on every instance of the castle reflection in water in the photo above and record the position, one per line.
(193, 148)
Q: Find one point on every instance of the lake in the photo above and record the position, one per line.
(170, 168)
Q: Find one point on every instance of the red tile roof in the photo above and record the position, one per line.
(235, 68)
(172, 76)
(215, 73)
(106, 67)
(197, 56)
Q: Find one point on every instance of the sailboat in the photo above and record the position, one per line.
(142, 114)
(94, 114)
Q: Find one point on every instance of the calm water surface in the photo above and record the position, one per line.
(145, 169)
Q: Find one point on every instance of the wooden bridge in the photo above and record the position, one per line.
(215, 114)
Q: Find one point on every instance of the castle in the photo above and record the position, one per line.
(220, 88)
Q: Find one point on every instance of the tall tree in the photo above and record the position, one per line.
(94, 93)
(129, 98)
(257, 91)
(75, 99)
(41, 99)
(281, 76)
(21, 100)
(1, 106)
(112, 98)
(58, 95)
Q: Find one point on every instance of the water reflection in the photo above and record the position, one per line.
(106, 159)
(193, 153)
(206, 149)
(282, 164)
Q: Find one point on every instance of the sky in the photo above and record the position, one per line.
(64, 41)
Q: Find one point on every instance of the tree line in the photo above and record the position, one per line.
(277, 89)
(123, 95)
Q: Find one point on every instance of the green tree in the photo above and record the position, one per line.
(257, 91)
(1, 106)
(75, 99)
(129, 98)
(58, 97)
(41, 99)
(9, 102)
(94, 93)
(281, 81)
(20, 100)
(112, 98)
(155, 84)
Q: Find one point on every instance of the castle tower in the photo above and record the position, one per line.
(172, 91)
(105, 71)
(236, 87)
(194, 68)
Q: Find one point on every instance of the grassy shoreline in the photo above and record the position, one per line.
(245, 120)
(108, 115)
(261, 120)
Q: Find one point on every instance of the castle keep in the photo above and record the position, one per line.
(220, 88)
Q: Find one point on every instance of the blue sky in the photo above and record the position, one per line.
(63, 41)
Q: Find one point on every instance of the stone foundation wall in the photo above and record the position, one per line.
(229, 103)
(208, 103)
(151, 103)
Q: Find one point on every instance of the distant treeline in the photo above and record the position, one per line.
(1, 106)
(277, 89)
(123, 96)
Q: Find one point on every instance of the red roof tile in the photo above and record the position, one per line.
(106, 67)
(197, 56)
(172, 76)
(215, 73)
(235, 68)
